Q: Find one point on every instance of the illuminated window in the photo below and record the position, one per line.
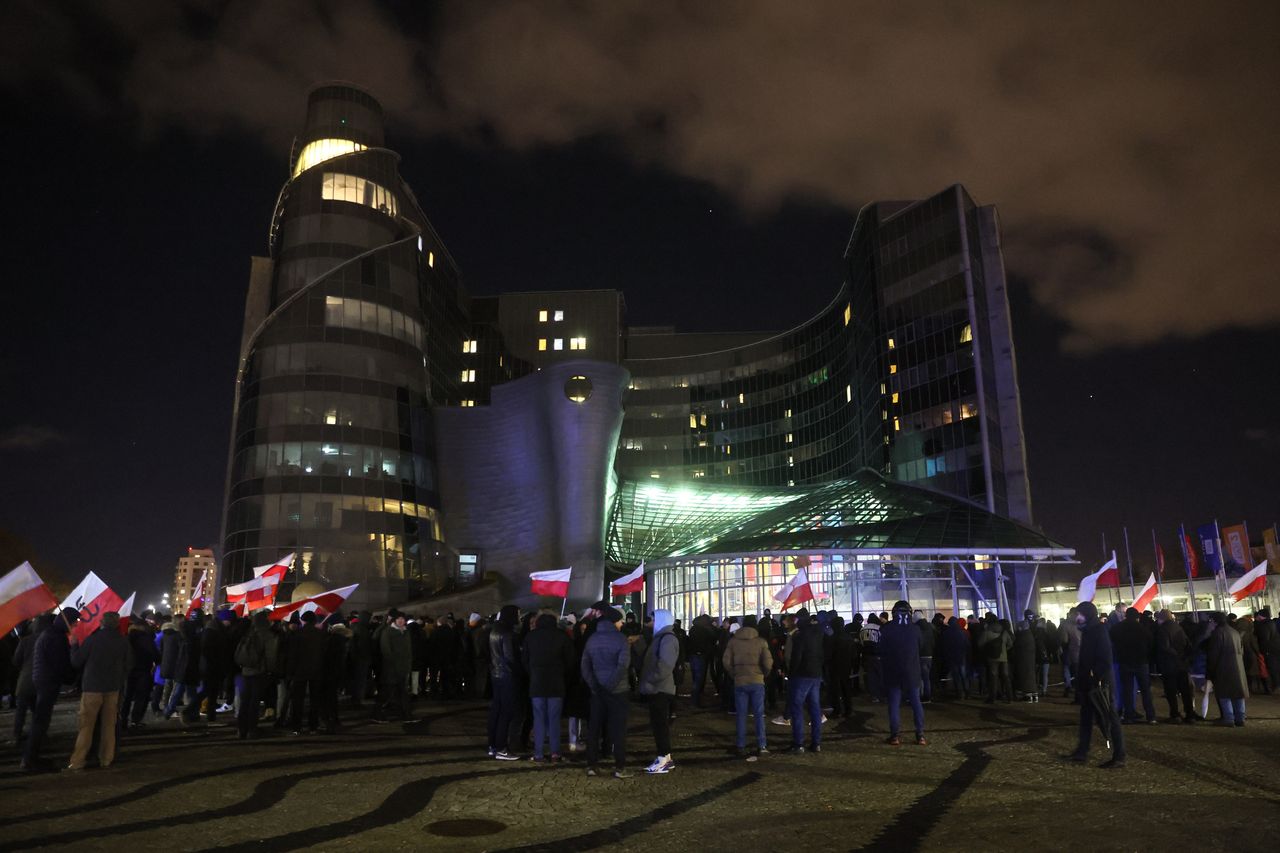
(331, 417)
(371, 317)
(966, 334)
(431, 259)
(467, 404)
(699, 472)
(654, 474)
(742, 398)
(339, 187)
(693, 421)
(895, 397)
(468, 376)
(578, 389)
(891, 344)
(321, 150)
(788, 414)
(702, 419)
(470, 346)
(558, 344)
(883, 389)
(848, 313)
(559, 316)
(542, 344)
(884, 416)
(542, 316)
(791, 461)
(893, 368)
(577, 343)
(790, 437)
(848, 393)
(897, 425)
(968, 410)
(728, 450)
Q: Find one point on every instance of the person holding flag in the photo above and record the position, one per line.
(50, 669)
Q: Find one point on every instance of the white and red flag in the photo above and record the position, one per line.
(1149, 592)
(92, 598)
(1253, 582)
(554, 582)
(23, 596)
(324, 603)
(628, 584)
(197, 598)
(126, 610)
(261, 590)
(795, 591)
(1107, 576)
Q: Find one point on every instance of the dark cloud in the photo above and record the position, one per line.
(1132, 149)
(29, 437)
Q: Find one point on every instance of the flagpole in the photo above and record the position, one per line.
(1220, 576)
(565, 601)
(1155, 552)
(1128, 558)
(1186, 565)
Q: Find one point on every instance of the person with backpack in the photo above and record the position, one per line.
(256, 656)
(657, 682)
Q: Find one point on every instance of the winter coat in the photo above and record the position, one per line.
(22, 659)
(1134, 643)
(1070, 639)
(804, 650)
(306, 653)
(900, 655)
(548, 657)
(844, 654)
(1224, 665)
(1172, 648)
(504, 660)
(361, 646)
(1096, 661)
(442, 648)
(189, 653)
(336, 645)
(605, 659)
(1023, 668)
(142, 645)
(103, 660)
(658, 665)
(955, 646)
(51, 661)
(216, 651)
(996, 643)
(170, 646)
(747, 657)
(396, 652)
(258, 651)
(928, 637)
(1267, 635)
(702, 638)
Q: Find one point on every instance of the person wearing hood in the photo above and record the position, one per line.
(547, 655)
(504, 679)
(841, 662)
(336, 648)
(103, 661)
(395, 658)
(256, 656)
(50, 669)
(657, 681)
(748, 660)
(804, 670)
(604, 669)
(1094, 676)
(24, 691)
(955, 654)
(142, 652)
(900, 647)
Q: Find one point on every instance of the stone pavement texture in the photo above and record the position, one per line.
(991, 776)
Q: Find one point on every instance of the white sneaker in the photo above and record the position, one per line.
(824, 718)
(224, 708)
(780, 721)
(573, 747)
(661, 764)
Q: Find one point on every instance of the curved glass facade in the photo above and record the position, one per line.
(360, 334)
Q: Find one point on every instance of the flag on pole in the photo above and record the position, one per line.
(1148, 594)
(795, 591)
(1211, 546)
(323, 603)
(126, 610)
(92, 598)
(1189, 556)
(627, 584)
(23, 596)
(1254, 582)
(1107, 576)
(260, 591)
(197, 598)
(1235, 547)
(554, 582)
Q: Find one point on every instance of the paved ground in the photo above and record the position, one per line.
(991, 776)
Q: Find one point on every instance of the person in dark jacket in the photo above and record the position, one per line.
(361, 658)
(928, 642)
(657, 681)
(256, 656)
(504, 677)
(478, 628)
(50, 669)
(137, 690)
(442, 657)
(701, 648)
(547, 654)
(168, 643)
(1224, 666)
(305, 671)
(1134, 646)
(216, 654)
(186, 665)
(900, 647)
(997, 639)
(955, 653)
(840, 664)
(1173, 656)
(336, 646)
(1023, 654)
(1093, 682)
(804, 682)
(103, 661)
(24, 690)
(605, 659)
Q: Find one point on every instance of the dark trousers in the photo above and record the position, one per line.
(893, 701)
(359, 681)
(1142, 676)
(502, 710)
(660, 721)
(26, 702)
(137, 690)
(841, 693)
(1086, 729)
(926, 678)
(1177, 684)
(805, 697)
(998, 680)
(252, 688)
(698, 666)
(299, 689)
(608, 714)
(41, 715)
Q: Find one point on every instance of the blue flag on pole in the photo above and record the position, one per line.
(1211, 547)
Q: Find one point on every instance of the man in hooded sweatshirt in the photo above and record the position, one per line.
(657, 681)
(900, 645)
(103, 661)
(1095, 673)
(604, 669)
(747, 658)
(804, 670)
(50, 669)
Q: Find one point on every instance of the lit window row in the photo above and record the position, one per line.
(470, 346)
(468, 404)
(321, 150)
(577, 343)
(557, 315)
(558, 344)
(431, 256)
(468, 376)
(368, 316)
(340, 187)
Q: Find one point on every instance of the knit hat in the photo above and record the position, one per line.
(611, 614)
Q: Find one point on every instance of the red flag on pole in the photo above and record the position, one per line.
(92, 598)
(630, 583)
(1149, 592)
(1107, 576)
(197, 598)
(23, 596)
(554, 582)
(324, 603)
(1254, 582)
(260, 591)
(795, 591)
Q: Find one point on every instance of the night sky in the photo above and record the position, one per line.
(706, 159)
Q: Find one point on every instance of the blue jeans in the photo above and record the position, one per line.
(1044, 678)
(750, 695)
(894, 701)
(546, 723)
(175, 697)
(804, 695)
(1140, 674)
(926, 677)
(698, 669)
(1232, 710)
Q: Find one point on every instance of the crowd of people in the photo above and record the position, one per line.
(546, 676)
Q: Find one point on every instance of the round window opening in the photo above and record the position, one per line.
(578, 389)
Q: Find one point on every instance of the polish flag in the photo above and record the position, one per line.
(554, 582)
(126, 610)
(1253, 583)
(197, 598)
(1148, 594)
(261, 590)
(627, 584)
(92, 598)
(1107, 576)
(795, 591)
(324, 603)
(23, 596)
